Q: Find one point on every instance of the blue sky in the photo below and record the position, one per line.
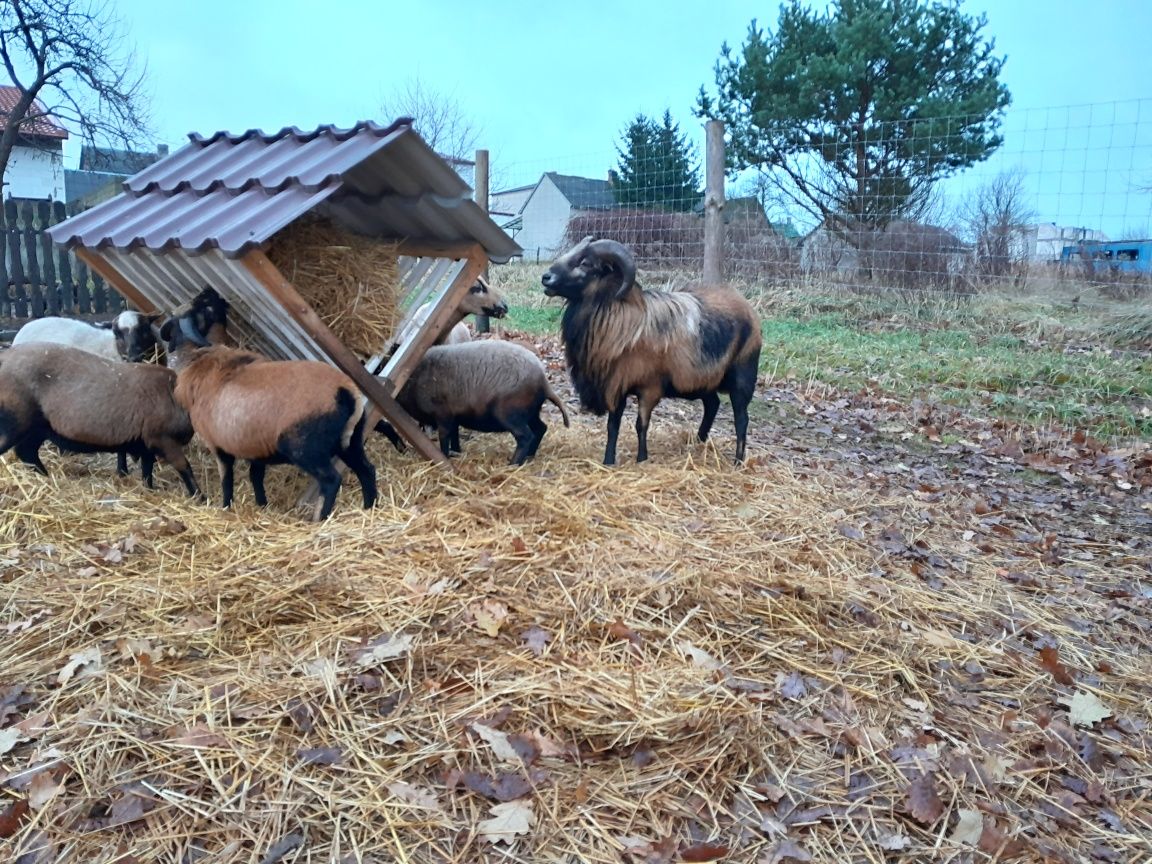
(552, 85)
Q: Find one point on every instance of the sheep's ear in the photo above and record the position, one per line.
(166, 330)
(153, 317)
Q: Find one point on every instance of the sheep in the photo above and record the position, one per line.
(488, 386)
(270, 412)
(130, 335)
(480, 300)
(622, 340)
(87, 403)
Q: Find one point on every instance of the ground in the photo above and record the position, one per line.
(907, 629)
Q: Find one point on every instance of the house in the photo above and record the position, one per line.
(102, 173)
(537, 215)
(1121, 256)
(901, 245)
(36, 166)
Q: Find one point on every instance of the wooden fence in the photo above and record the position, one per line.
(37, 277)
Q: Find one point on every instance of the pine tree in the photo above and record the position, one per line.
(855, 112)
(657, 169)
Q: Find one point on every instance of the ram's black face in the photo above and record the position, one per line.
(135, 336)
(572, 273)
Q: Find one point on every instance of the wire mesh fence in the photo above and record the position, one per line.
(1064, 204)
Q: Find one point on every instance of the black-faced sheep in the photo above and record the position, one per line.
(488, 386)
(481, 299)
(85, 403)
(270, 412)
(130, 335)
(622, 340)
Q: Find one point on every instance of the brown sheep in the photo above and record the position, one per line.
(622, 340)
(89, 404)
(270, 412)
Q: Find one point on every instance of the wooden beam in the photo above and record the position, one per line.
(418, 248)
(445, 311)
(285, 293)
(116, 279)
(480, 181)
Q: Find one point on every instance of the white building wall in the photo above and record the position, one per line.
(545, 220)
(34, 173)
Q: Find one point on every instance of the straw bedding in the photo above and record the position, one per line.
(674, 661)
(349, 280)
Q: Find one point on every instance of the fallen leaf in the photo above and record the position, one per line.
(704, 852)
(320, 756)
(415, 796)
(969, 828)
(9, 738)
(1085, 709)
(785, 852)
(281, 848)
(382, 649)
(698, 656)
(619, 630)
(130, 649)
(82, 664)
(19, 626)
(893, 842)
(508, 820)
(489, 616)
(11, 817)
(198, 736)
(536, 639)
(505, 787)
(849, 531)
(923, 802)
(791, 686)
(519, 546)
(43, 788)
(498, 741)
(1050, 661)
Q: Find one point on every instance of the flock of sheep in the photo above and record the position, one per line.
(67, 382)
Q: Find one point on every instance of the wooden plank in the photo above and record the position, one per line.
(431, 249)
(286, 294)
(32, 254)
(51, 286)
(409, 354)
(96, 262)
(15, 262)
(6, 295)
(64, 264)
(714, 202)
(481, 197)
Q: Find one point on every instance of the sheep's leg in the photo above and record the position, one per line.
(646, 402)
(355, 458)
(740, 415)
(614, 417)
(28, 452)
(147, 465)
(539, 427)
(740, 392)
(328, 479)
(388, 431)
(256, 471)
(711, 406)
(121, 463)
(447, 431)
(454, 444)
(525, 436)
(173, 454)
(227, 466)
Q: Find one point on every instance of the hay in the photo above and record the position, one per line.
(616, 662)
(351, 281)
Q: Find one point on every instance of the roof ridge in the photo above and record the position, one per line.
(336, 132)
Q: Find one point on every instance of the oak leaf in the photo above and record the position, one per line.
(923, 802)
(508, 821)
(415, 796)
(498, 741)
(1085, 709)
(969, 828)
(82, 664)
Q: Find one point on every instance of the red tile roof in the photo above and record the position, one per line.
(41, 125)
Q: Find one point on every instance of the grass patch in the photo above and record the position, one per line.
(1034, 358)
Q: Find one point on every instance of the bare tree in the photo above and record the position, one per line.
(70, 61)
(439, 118)
(995, 217)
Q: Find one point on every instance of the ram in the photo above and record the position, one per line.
(270, 412)
(85, 403)
(621, 340)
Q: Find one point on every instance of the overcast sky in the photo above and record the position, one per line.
(553, 84)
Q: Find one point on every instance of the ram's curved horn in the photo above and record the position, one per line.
(621, 255)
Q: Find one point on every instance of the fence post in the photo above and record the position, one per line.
(67, 290)
(714, 202)
(48, 265)
(6, 295)
(481, 196)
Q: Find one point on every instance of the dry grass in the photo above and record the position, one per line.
(715, 661)
(350, 281)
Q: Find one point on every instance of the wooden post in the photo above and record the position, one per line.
(48, 266)
(32, 273)
(6, 297)
(67, 291)
(714, 202)
(481, 195)
(285, 293)
(101, 268)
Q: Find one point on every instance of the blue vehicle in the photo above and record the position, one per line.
(1120, 256)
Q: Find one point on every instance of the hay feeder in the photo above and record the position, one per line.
(262, 218)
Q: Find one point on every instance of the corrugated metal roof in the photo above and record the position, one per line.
(233, 192)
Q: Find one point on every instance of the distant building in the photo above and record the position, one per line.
(1119, 256)
(825, 250)
(1044, 243)
(103, 171)
(36, 166)
(537, 215)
